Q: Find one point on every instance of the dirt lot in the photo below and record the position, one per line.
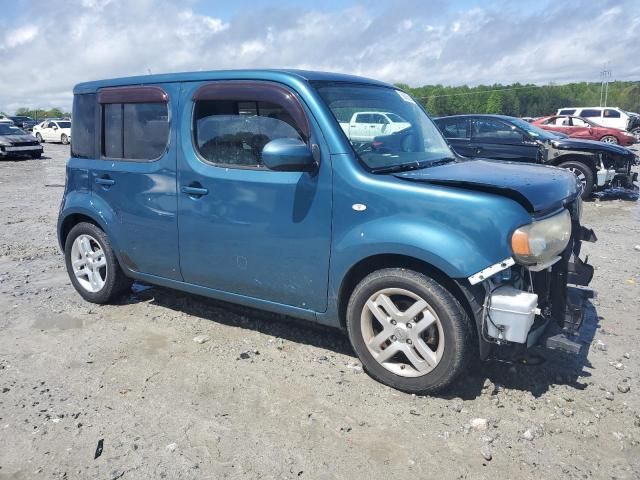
(270, 398)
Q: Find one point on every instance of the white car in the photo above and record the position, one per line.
(606, 116)
(53, 131)
(365, 126)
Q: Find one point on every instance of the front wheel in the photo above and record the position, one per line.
(584, 174)
(36, 155)
(609, 139)
(92, 266)
(64, 139)
(409, 331)
(39, 137)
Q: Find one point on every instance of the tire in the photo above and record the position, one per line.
(450, 331)
(36, 155)
(584, 174)
(64, 139)
(609, 139)
(112, 279)
(39, 137)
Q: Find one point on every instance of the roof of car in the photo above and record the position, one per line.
(267, 74)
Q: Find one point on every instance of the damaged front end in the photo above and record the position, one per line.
(536, 297)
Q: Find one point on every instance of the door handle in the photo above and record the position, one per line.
(479, 149)
(195, 190)
(105, 181)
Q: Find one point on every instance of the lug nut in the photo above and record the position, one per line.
(393, 337)
(409, 341)
(393, 322)
(409, 325)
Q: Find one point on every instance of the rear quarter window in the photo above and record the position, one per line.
(567, 111)
(84, 126)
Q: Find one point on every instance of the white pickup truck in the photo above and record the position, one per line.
(365, 126)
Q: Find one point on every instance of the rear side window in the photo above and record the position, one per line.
(135, 123)
(234, 121)
(610, 113)
(84, 126)
(590, 113)
(567, 111)
(455, 128)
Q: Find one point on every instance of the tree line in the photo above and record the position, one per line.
(39, 113)
(518, 100)
(522, 100)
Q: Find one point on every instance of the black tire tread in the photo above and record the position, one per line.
(117, 281)
(586, 169)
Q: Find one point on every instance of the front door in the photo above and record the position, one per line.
(245, 229)
(495, 139)
(136, 174)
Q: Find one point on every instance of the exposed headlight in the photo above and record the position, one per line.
(541, 240)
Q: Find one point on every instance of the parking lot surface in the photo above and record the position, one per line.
(173, 385)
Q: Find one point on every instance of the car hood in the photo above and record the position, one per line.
(17, 138)
(537, 188)
(591, 145)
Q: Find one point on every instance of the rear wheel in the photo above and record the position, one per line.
(39, 137)
(584, 174)
(92, 266)
(64, 139)
(609, 139)
(409, 331)
(36, 155)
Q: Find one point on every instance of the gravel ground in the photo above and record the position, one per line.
(177, 386)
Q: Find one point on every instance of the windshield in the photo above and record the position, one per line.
(408, 139)
(64, 124)
(535, 132)
(6, 129)
(22, 119)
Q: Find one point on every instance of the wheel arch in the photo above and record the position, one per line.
(588, 160)
(71, 221)
(380, 261)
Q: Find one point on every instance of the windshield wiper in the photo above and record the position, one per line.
(405, 167)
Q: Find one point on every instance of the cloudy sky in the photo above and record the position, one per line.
(46, 46)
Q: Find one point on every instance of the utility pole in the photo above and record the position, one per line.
(605, 75)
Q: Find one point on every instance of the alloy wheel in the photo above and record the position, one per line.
(89, 263)
(402, 332)
(580, 174)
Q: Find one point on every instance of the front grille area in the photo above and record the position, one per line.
(25, 144)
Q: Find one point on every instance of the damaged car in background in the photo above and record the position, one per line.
(428, 260)
(597, 165)
(16, 142)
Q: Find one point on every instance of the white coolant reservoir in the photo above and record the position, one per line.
(510, 313)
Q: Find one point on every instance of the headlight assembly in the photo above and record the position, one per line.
(540, 241)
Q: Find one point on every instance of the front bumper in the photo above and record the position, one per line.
(6, 151)
(541, 305)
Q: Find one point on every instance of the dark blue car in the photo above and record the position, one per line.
(242, 186)
(596, 164)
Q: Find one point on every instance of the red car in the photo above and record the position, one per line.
(578, 127)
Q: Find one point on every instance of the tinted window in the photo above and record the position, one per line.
(135, 131)
(112, 130)
(609, 113)
(84, 126)
(364, 118)
(590, 113)
(228, 132)
(567, 111)
(63, 124)
(377, 118)
(488, 129)
(454, 128)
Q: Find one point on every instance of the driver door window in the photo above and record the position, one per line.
(488, 130)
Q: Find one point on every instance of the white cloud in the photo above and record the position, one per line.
(44, 52)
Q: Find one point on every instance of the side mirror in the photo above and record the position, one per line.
(288, 155)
